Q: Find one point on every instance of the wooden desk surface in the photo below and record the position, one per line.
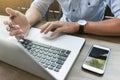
(8, 72)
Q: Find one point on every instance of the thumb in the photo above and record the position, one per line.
(11, 11)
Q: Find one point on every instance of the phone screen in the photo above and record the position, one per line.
(97, 58)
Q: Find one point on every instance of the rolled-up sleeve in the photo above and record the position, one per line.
(115, 7)
(42, 5)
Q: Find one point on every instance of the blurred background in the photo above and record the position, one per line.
(53, 13)
(21, 5)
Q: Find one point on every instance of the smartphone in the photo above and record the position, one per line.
(96, 59)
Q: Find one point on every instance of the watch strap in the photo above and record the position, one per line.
(81, 29)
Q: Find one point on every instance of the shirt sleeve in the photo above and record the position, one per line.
(115, 7)
(42, 5)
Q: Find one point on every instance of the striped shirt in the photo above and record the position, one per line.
(74, 10)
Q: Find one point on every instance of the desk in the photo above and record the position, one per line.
(8, 72)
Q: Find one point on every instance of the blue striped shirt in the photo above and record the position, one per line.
(74, 10)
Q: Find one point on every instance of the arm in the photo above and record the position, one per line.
(37, 10)
(109, 27)
(32, 19)
(21, 23)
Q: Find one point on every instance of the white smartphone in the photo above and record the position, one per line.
(97, 59)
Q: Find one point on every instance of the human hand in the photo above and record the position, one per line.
(59, 27)
(19, 24)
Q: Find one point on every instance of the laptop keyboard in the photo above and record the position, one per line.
(48, 56)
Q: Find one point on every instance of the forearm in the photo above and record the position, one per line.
(109, 27)
(33, 15)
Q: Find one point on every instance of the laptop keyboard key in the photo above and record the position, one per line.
(48, 56)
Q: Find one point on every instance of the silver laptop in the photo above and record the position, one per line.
(41, 55)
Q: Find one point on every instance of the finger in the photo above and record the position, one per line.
(20, 36)
(15, 27)
(43, 27)
(16, 32)
(8, 23)
(51, 27)
(11, 11)
(11, 34)
(12, 27)
(57, 31)
(8, 28)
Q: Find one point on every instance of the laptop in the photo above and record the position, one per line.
(51, 58)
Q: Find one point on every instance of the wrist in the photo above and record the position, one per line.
(27, 29)
(76, 27)
(82, 24)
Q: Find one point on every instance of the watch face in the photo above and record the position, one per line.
(82, 22)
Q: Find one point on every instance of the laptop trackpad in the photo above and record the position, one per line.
(48, 35)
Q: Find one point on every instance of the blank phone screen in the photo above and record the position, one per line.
(97, 58)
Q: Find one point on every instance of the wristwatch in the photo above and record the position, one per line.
(82, 24)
